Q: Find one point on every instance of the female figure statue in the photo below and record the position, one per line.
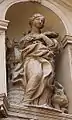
(38, 51)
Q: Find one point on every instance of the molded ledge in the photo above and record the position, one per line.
(32, 112)
(3, 24)
(66, 40)
(3, 106)
(29, 112)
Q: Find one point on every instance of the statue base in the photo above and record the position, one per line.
(35, 112)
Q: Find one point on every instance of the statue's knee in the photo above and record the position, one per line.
(38, 76)
(34, 69)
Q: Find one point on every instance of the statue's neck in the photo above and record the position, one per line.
(35, 30)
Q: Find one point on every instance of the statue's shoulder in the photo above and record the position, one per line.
(26, 37)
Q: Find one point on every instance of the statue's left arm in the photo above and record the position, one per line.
(55, 44)
(51, 34)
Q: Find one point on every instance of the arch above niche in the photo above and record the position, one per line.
(49, 4)
(18, 15)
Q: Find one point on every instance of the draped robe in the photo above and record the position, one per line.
(38, 69)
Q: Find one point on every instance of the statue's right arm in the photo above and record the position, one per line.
(24, 40)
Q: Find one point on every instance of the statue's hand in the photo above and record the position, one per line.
(51, 34)
(43, 37)
(38, 36)
(50, 54)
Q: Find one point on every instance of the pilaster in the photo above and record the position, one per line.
(67, 40)
(64, 68)
(3, 84)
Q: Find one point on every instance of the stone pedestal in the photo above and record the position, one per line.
(35, 113)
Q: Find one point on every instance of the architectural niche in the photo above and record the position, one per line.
(34, 88)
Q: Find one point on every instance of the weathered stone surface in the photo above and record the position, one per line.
(13, 91)
(13, 118)
(29, 112)
(3, 105)
(15, 96)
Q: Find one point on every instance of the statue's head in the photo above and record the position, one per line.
(37, 20)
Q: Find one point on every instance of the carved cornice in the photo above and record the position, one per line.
(3, 105)
(67, 3)
(39, 1)
(64, 3)
(3, 24)
(66, 40)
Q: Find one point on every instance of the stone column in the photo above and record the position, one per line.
(64, 71)
(3, 85)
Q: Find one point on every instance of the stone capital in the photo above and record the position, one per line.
(66, 40)
(3, 24)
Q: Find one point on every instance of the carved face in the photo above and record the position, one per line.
(39, 22)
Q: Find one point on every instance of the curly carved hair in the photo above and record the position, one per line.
(36, 15)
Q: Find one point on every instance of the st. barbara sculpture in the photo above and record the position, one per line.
(36, 63)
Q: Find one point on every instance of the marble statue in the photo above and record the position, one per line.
(34, 66)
